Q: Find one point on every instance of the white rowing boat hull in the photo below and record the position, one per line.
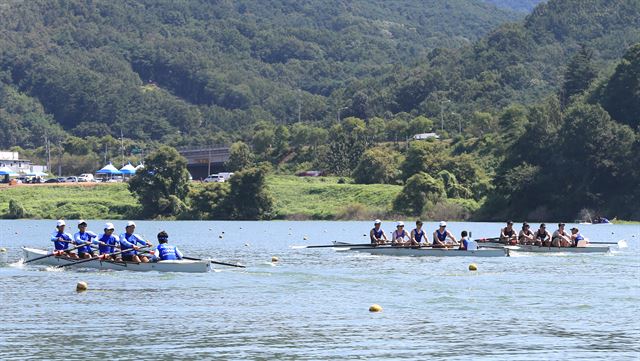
(161, 266)
(538, 249)
(426, 252)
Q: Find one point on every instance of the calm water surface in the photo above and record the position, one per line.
(313, 304)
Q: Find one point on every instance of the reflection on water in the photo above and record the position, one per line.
(313, 303)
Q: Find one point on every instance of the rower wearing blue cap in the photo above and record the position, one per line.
(165, 251)
(61, 240)
(132, 242)
(84, 237)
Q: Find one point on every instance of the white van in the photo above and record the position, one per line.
(218, 177)
(86, 177)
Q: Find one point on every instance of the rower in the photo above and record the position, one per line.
(107, 243)
(440, 236)
(526, 236)
(398, 236)
(83, 237)
(61, 241)
(130, 241)
(543, 237)
(417, 235)
(165, 251)
(560, 238)
(508, 234)
(577, 240)
(376, 234)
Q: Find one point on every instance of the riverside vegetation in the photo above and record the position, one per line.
(537, 113)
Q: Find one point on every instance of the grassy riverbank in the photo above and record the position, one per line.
(295, 198)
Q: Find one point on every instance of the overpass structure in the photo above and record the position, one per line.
(206, 160)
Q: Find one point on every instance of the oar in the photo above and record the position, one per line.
(55, 253)
(487, 239)
(621, 243)
(216, 262)
(98, 257)
(334, 245)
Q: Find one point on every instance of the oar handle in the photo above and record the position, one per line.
(101, 256)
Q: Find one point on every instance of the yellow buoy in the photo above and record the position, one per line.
(473, 267)
(82, 286)
(375, 308)
(274, 259)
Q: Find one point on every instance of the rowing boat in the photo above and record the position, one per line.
(422, 251)
(539, 249)
(160, 266)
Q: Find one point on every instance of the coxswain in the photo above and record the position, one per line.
(165, 251)
(441, 234)
(82, 237)
(61, 241)
(130, 241)
(417, 235)
(543, 237)
(577, 240)
(467, 244)
(376, 234)
(526, 236)
(107, 243)
(508, 234)
(560, 238)
(398, 236)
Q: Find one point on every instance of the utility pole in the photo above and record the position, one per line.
(60, 158)
(105, 152)
(122, 146)
(47, 150)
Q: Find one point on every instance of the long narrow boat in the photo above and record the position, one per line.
(161, 266)
(422, 251)
(539, 249)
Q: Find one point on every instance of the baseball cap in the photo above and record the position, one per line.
(131, 223)
(377, 221)
(109, 225)
(81, 222)
(60, 222)
(443, 224)
(400, 224)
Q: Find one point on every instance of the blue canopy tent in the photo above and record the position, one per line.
(128, 170)
(7, 172)
(109, 170)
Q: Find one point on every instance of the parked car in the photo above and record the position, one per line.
(86, 177)
(61, 179)
(52, 180)
(218, 177)
(72, 179)
(310, 173)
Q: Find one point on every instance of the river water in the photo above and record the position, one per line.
(313, 303)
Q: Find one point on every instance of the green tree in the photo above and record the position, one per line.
(208, 201)
(163, 184)
(620, 96)
(240, 157)
(248, 197)
(419, 192)
(579, 74)
(378, 165)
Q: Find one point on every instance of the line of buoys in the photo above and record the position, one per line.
(375, 308)
(473, 267)
(82, 286)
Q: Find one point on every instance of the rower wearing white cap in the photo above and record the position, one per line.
(441, 234)
(400, 237)
(107, 243)
(130, 241)
(61, 240)
(84, 237)
(376, 234)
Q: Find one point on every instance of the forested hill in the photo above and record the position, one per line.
(156, 67)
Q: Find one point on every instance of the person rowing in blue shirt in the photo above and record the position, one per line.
(107, 243)
(84, 237)
(376, 234)
(418, 235)
(61, 241)
(130, 241)
(577, 240)
(165, 251)
(440, 236)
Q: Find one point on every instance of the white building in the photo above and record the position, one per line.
(423, 136)
(23, 166)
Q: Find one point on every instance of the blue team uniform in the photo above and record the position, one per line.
(127, 241)
(578, 239)
(441, 236)
(107, 244)
(418, 235)
(61, 246)
(166, 252)
(82, 238)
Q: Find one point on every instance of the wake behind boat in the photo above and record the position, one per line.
(421, 251)
(160, 266)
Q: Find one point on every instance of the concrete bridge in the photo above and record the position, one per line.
(204, 161)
